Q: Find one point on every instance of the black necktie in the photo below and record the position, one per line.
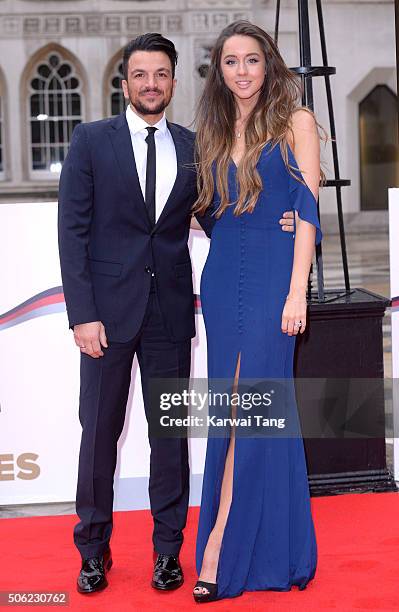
(150, 174)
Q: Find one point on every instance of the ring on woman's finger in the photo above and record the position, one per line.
(298, 324)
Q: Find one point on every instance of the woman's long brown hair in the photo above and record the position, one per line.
(216, 117)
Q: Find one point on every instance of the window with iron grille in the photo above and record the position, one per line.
(117, 102)
(55, 106)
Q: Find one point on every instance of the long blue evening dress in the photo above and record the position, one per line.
(269, 539)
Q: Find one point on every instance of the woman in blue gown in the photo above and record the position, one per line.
(258, 156)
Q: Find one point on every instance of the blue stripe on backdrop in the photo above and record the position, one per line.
(132, 493)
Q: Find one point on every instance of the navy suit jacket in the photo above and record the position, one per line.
(108, 248)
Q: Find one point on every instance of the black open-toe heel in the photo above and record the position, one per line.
(212, 594)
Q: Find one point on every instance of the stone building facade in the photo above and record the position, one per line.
(60, 64)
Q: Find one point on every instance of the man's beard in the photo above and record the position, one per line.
(146, 110)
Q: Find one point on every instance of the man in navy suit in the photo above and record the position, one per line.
(126, 191)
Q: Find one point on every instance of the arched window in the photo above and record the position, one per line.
(379, 156)
(55, 107)
(117, 102)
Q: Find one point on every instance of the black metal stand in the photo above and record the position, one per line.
(308, 72)
(346, 324)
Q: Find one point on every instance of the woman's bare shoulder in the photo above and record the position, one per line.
(302, 126)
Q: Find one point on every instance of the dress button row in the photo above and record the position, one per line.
(241, 276)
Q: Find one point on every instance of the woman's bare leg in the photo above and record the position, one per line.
(212, 549)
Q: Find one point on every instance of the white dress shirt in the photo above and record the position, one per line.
(166, 161)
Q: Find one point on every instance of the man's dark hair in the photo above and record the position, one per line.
(149, 42)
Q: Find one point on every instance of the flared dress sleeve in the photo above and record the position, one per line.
(303, 201)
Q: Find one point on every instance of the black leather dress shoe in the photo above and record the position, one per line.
(168, 574)
(92, 577)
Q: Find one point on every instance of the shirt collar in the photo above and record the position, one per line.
(137, 124)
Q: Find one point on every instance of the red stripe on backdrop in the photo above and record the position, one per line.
(46, 301)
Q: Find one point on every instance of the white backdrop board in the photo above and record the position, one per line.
(39, 373)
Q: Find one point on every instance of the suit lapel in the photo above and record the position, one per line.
(184, 155)
(122, 144)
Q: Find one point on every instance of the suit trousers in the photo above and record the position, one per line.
(104, 393)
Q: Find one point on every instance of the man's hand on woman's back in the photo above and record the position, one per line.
(287, 222)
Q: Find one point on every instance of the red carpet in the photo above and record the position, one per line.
(357, 535)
